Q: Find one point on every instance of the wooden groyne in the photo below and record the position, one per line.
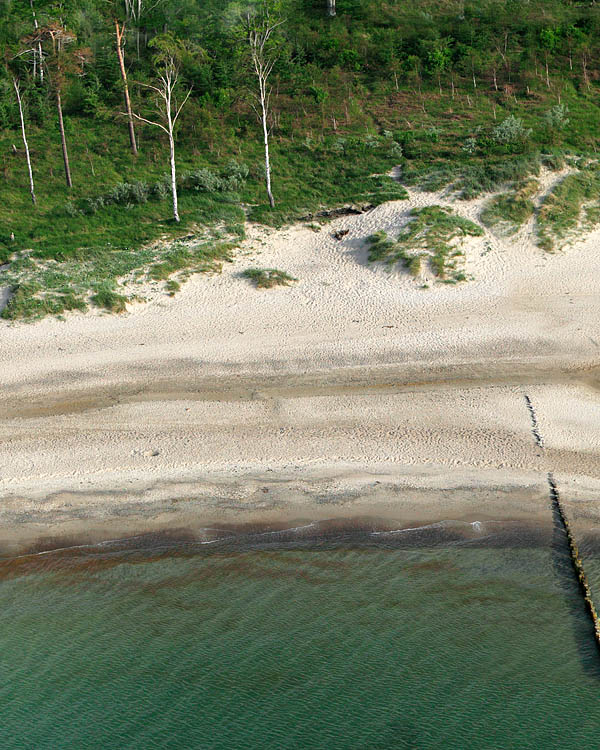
(576, 560)
(557, 507)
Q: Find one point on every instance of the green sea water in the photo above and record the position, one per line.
(370, 643)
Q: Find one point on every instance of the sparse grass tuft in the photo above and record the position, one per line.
(266, 278)
(508, 212)
(172, 287)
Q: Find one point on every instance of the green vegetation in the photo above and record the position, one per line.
(471, 95)
(431, 236)
(508, 212)
(108, 299)
(572, 207)
(267, 278)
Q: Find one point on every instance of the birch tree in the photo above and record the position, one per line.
(167, 64)
(260, 28)
(17, 87)
(331, 7)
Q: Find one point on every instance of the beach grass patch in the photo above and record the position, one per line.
(267, 278)
(110, 300)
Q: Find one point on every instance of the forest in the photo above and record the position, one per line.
(129, 124)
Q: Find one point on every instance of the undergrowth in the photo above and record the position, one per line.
(42, 286)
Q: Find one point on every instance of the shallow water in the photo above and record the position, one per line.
(386, 641)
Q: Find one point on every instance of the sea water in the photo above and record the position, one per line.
(370, 641)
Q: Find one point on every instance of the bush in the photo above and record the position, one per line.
(556, 117)
(203, 180)
(511, 131)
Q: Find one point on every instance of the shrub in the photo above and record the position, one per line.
(511, 131)
(556, 117)
(203, 180)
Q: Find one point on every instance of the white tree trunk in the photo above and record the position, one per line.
(331, 7)
(263, 105)
(173, 177)
(23, 133)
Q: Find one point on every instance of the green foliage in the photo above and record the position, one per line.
(432, 235)
(266, 278)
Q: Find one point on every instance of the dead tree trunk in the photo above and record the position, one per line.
(63, 139)
(24, 134)
(37, 55)
(120, 37)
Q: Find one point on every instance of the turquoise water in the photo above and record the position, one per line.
(349, 645)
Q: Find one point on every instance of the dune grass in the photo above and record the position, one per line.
(267, 278)
(433, 235)
(571, 208)
(506, 213)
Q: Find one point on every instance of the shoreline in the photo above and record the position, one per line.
(328, 503)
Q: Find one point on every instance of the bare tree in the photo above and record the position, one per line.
(24, 135)
(120, 30)
(167, 63)
(260, 28)
(331, 7)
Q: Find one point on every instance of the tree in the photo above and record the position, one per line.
(260, 28)
(167, 63)
(24, 136)
(331, 7)
(120, 31)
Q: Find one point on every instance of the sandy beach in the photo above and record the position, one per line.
(355, 392)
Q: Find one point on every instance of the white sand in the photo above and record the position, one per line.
(353, 371)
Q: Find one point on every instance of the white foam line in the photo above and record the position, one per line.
(283, 531)
(477, 525)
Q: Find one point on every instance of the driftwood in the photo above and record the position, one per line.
(340, 234)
